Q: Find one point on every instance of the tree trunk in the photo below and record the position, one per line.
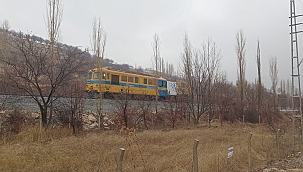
(43, 111)
(144, 120)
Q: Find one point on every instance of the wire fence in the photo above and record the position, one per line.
(255, 155)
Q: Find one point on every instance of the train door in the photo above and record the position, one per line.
(115, 80)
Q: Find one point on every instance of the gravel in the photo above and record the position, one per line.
(291, 163)
(28, 103)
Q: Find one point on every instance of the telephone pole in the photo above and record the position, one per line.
(295, 71)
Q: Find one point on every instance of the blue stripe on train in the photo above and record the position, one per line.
(123, 84)
(97, 82)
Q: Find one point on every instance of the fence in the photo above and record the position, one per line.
(232, 148)
(258, 150)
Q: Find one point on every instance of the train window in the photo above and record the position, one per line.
(145, 81)
(107, 75)
(130, 79)
(160, 83)
(115, 80)
(165, 84)
(96, 75)
(103, 75)
(136, 80)
(124, 78)
(150, 82)
(90, 75)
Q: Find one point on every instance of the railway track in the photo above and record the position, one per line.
(27, 103)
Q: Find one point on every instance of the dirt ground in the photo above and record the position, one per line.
(291, 163)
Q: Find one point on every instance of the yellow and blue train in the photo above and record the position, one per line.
(114, 82)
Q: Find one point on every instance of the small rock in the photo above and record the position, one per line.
(93, 125)
(35, 115)
(92, 118)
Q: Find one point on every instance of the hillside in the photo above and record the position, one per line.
(106, 62)
(17, 45)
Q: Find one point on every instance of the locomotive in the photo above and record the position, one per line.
(114, 82)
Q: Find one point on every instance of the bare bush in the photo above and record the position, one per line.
(11, 124)
(123, 108)
(69, 110)
(143, 113)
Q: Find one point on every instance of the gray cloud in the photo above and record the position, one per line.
(131, 24)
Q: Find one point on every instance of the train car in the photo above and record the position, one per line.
(183, 88)
(172, 88)
(114, 82)
(176, 89)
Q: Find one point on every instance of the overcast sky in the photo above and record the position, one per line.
(131, 24)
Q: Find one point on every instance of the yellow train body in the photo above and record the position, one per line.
(114, 82)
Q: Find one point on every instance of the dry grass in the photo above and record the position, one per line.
(57, 150)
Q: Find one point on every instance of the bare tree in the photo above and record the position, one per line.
(187, 69)
(259, 78)
(123, 107)
(42, 69)
(225, 95)
(282, 96)
(76, 107)
(169, 71)
(98, 44)
(69, 110)
(4, 53)
(54, 18)
(173, 108)
(251, 105)
(273, 73)
(156, 60)
(200, 69)
(162, 67)
(144, 111)
(240, 50)
(36, 75)
(241, 81)
(4, 37)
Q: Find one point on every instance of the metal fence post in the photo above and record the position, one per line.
(249, 151)
(120, 160)
(278, 143)
(195, 156)
(259, 119)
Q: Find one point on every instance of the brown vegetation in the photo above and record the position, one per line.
(58, 150)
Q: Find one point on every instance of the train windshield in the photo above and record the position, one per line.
(90, 75)
(165, 84)
(162, 84)
(96, 75)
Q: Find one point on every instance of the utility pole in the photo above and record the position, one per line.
(295, 73)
